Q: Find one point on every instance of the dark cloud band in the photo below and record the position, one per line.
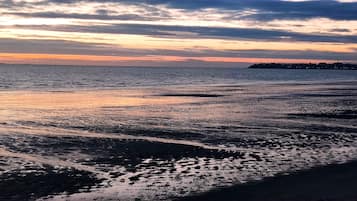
(267, 9)
(198, 32)
(64, 47)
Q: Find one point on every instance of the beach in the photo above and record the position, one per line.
(178, 100)
(225, 139)
(333, 183)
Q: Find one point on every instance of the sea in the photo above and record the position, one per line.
(163, 133)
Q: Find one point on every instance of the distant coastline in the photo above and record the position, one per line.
(320, 66)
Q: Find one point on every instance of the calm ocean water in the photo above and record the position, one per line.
(84, 133)
(20, 77)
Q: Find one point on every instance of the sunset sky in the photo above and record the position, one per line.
(177, 32)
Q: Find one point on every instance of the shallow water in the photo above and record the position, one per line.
(166, 133)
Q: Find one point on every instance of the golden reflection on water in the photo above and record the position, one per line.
(82, 99)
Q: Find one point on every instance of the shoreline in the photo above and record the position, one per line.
(335, 182)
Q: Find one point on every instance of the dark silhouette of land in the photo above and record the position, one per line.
(322, 66)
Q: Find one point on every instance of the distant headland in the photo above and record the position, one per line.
(322, 66)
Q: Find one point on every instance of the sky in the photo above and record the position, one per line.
(177, 32)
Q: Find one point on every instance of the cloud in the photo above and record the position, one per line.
(172, 25)
(266, 10)
(198, 32)
(101, 16)
(76, 48)
(11, 45)
(340, 30)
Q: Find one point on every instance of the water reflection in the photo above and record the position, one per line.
(161, 142)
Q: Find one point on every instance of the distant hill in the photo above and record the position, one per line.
(322, 66)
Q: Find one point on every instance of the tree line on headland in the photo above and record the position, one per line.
(324, 66)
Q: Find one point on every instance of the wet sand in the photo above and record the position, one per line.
(36, 182)
(154, 163)
(174, 142)
(328, 183)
